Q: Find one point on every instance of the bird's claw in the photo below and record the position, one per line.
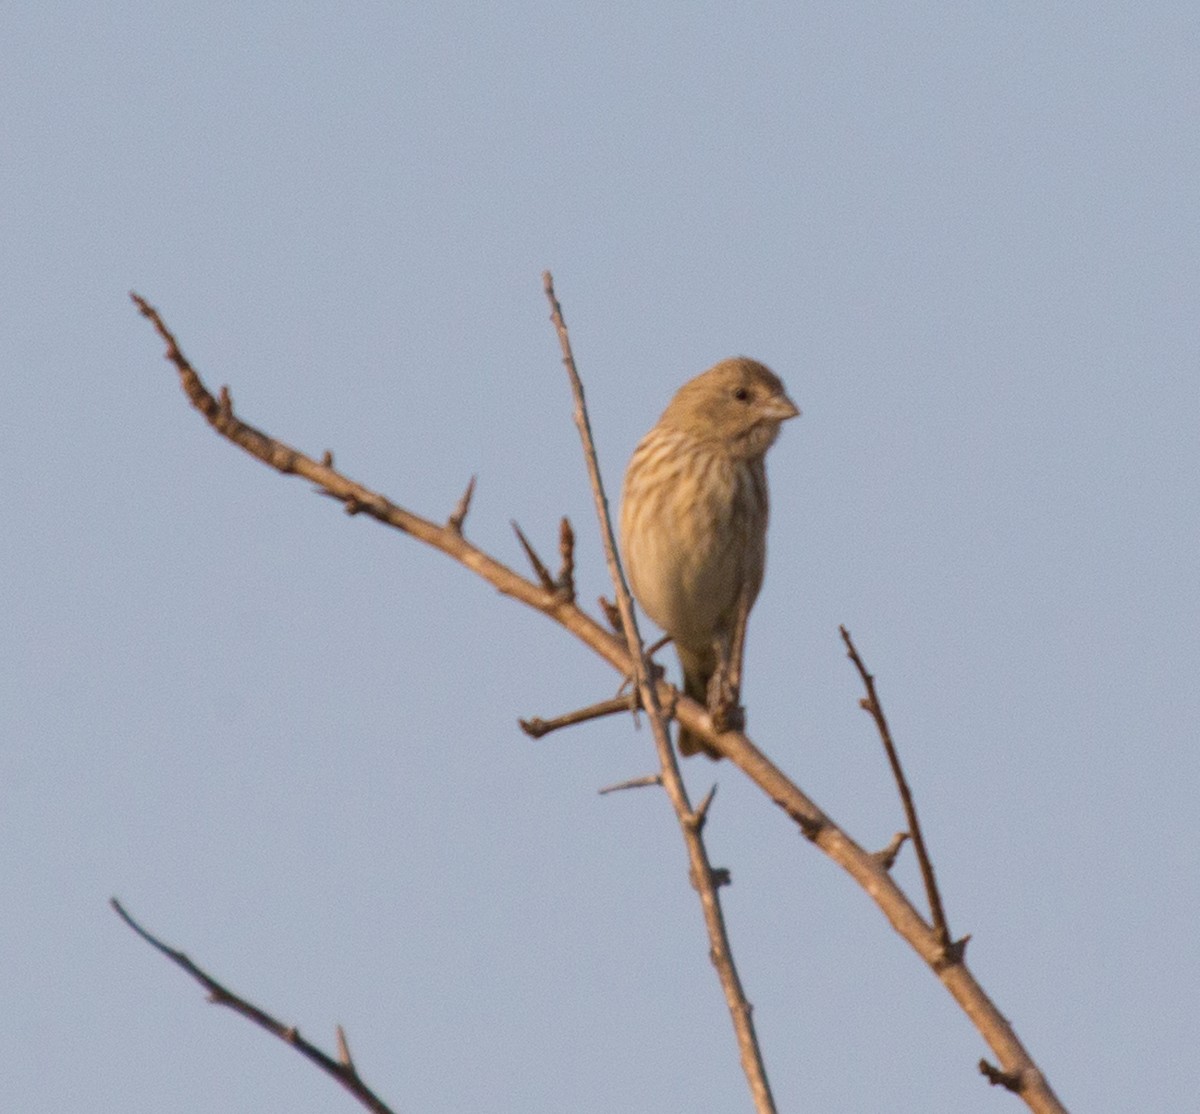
(723, 707)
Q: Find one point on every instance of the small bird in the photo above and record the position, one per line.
(694, 525)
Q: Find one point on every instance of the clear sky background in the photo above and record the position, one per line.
(967, 238)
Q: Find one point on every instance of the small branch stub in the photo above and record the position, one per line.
(566, 553)
(459, 514)
(613, 615)
(536, 727)
(887, 857)
(1010, 1081)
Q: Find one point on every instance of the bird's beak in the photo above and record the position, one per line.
(781, 408)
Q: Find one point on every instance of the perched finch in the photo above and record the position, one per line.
(694, 525)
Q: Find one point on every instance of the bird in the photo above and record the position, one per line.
(693, 526)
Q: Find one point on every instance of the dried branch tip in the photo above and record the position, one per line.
(536, 727)
(887, 857)
(566, 553)
(344, 1057)
(613, 615)
(459, 515)
(633, 783)
(536, 563)
(697, 820)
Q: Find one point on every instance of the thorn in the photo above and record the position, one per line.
(952, 953)
(887, 857)
(698, 818)
(634, 783)
(327, 458)
(540, 570)
(344, 1057)
(459, 515)
(225, 403)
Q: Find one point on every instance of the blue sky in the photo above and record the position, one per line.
(966, 239)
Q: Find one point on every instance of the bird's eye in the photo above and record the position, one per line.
(742, 394)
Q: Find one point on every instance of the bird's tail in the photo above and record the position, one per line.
(696, 675)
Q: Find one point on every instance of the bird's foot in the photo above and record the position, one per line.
(723, 707)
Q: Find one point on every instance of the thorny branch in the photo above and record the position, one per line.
(691, 821)
(342, 1069)
(864, 867)
(870, 704)
(537, 727)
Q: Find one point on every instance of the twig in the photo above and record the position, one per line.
(342, 1070)
(872, 705)
(633, 783)
(536, 727)
(813, 822)
(535, 562)
(690, 823)
(359, 499)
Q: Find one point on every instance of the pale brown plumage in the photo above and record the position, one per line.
(694, 523)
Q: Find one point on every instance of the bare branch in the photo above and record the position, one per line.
(875, 709)
(866, 870)
(666, 640)
(341, 1070)
(700, 870)
(535, 728)
(358, 499)
(634, 783)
